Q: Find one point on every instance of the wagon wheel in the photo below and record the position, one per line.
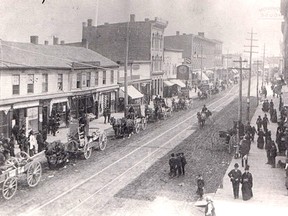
(34, 173)
(87, 151)
(136, 128)
(22, 155)
(144, 124)
(102, 142)
(9, 188)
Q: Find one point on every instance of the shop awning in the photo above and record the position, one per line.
(26, 104)
(5, 108)
(59, 100)
(168, 83)
(132, 92)
(178, 82)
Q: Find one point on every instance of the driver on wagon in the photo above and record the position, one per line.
(204, 109)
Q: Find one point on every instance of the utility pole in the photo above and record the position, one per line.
(201, 62)
(250, 71)
(257, 88)
(263, 66)
(125, 69)
(240, 97)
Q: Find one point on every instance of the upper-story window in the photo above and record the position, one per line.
(112, 76)
(60, 82)
(30, 83)
(153, 41)
(104, 77)
(88, 81)
(84, 79)
(78, 81)
(97, 78)
(44, 82)
(15, 84)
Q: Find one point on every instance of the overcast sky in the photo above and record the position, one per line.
(225, 20)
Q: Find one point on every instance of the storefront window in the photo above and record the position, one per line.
(16, 84)
(112, 76)
(78, 83)
(30, 83)
(60, 82)
(44, 82)
(104, 77)
(88, 82)
(96, 78)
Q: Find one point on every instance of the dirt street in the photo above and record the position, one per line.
(134, 168)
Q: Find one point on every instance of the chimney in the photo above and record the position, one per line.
(83, 24)
(89, 21)
(146, 19)
(132, 17)
(106, 23)
(201, 34)
(46, 42)
(62, 42)
(34, 39)
(177, 33)
(55, 40)
(85, 43)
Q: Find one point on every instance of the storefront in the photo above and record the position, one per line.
(60, 106)
(134, 96)
(80, 103)
(5, 120)
(168, 89)
(26, 113)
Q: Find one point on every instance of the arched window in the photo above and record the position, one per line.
(153, 63)
(153, 40)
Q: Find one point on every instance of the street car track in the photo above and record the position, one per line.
(120, 159)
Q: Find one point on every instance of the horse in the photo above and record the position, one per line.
(56, 154)
(122, 126)
(202, 116)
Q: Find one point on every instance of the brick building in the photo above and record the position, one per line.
(39, 80)
(145, 55)
(284, 28)
(195, 48)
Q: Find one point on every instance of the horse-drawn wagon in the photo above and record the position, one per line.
(13, 168)
(202, 117)
(79, 143)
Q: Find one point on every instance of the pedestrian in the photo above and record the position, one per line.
(259, 123)
(105, 115)
(267, 136)
(209, 209)
(267, 147)
(273, 154)
(235, 177)
(183, 162)
(40, 141)
(200, 186)
(247, 184)
(274, 116)
(33, 147)
(108, 113)
(172, 164)
(11, 145)
(178, 165)
(265, 122)
(271, 105)
(260, 140)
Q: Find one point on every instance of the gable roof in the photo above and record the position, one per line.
(27, 55)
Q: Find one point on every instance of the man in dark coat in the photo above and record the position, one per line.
(247, 184)
(265, 122)
(172, 164)
(235, 177)
(178, 165)
(105, 115)
(267, 147)
(259, 123)
(273, 154)
(260, 140)
(40, 141)
(183, 162)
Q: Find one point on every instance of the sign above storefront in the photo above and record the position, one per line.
(183, 72)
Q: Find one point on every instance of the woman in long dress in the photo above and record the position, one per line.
(260, 140)
(247, 184)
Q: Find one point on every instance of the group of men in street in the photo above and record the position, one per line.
(177, 164)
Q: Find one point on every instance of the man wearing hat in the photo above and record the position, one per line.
(235, 178)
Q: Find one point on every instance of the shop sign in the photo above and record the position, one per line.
(32, 113)
(183, 72)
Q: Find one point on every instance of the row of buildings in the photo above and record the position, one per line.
(284, 29)
(39, 80)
